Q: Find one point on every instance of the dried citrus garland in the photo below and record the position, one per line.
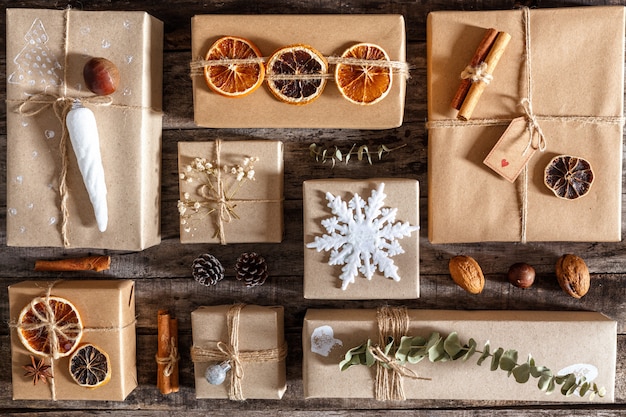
(297, 74)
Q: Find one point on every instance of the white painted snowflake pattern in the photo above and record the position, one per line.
(362, 237)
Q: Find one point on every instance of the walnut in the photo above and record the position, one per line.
(573, 275)
(467, 274)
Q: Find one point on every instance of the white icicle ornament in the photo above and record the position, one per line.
(83, 132)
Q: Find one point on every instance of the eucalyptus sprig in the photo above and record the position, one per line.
(436, 348)
(334, 154)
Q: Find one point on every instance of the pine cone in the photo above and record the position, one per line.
(251, 268)
(207, 270)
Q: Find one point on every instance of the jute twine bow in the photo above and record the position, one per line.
(170, 360)
(477, 73)
(536, 137)
(48, 325)
(197, 67)
(392, 322)
(230, 352)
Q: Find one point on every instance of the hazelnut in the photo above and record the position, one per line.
(466, 272)
(101, 76)
(573, 275)
(521, 275)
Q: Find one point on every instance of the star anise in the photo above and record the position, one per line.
(38, 371)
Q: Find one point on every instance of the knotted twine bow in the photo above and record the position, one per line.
(230, 352)
(536, 137)
(170, 360)
(477, 73)
(47, 324)
(394, 323)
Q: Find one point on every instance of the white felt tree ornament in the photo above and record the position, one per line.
(83, 132)
(362, 237)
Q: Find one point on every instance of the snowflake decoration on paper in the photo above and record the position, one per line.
(362, 237)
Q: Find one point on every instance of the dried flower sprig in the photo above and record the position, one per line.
(334, 154)
(38, 371)
(217, 185)
(439, 349)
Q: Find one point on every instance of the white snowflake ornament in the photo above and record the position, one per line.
(362, 236)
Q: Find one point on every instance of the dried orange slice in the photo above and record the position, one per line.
(50, 326)
(568, 177)
(90, 366)
(296, 74)
(232, 78)
(362, 82)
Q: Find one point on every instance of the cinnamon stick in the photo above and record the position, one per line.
(479, 56)
(88, 263)
(477, 88)
(167, 353)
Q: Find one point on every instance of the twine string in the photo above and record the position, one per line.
(170, 360)
(230, 352)
(477, 73)
(394, 323)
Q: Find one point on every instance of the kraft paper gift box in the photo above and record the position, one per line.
(251, 209)
(322, 279)
(333, 34)
(107, 312)
(44, 70)
(564, 342)
(576, 98)
(261, 350)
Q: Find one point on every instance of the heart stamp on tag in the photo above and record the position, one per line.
(504, 163)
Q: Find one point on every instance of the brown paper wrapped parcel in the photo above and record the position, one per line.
(251, 210)
(259, 329)
(331, 35)
(556, 340)
(107, 311)
(46, 51)
(322, 280)
(568, 63)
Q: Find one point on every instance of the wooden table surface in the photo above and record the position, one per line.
(163, 273)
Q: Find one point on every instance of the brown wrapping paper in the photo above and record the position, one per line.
(468, 202)
(108, 324)
(555, 339)
(258, 203)
(129, 128)
(332, 35)
(259, 328)
(321, 280)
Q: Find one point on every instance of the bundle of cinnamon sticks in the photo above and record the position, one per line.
(479, 72)
(167, 353)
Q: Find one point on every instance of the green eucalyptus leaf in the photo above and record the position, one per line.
(338, 154)
(471, 349)
(568, 383)
(369, 158)
(348, 157)
(403, 349)
(360, 152)
(495, 360)
(452, 344)
(353, 357)
(437, 353)
(508, 360)
(559, 379)
(551, 386)
(485, 354)
(522, 373)
(369, 358)
(415, 358)
(601, 391)
(537, 371)
(584, 388)
(544, 382)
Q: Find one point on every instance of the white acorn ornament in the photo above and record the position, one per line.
(83, 132)
(216, 374)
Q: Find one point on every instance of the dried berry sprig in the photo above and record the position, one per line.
(334, 154)
(216, 184)
(38, 371)
(439, 349)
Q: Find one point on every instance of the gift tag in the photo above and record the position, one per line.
(509, 155)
